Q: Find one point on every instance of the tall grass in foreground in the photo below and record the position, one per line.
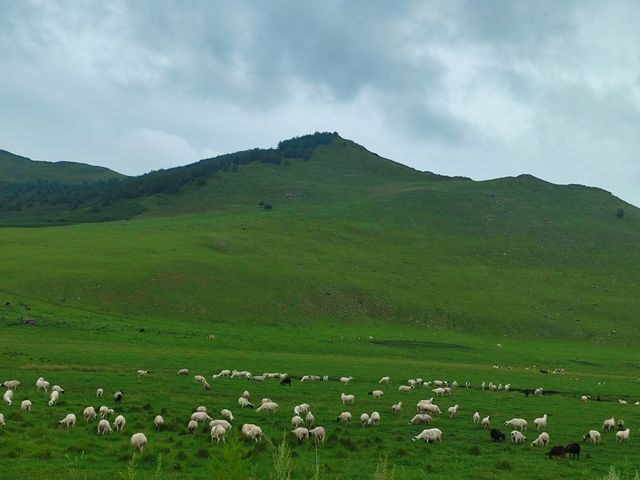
(616, 475)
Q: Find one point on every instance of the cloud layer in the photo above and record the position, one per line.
(482, 89)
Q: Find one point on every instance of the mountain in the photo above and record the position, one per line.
(335, 233)
(14, 168)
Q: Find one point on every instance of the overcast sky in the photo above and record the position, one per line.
(479, 88)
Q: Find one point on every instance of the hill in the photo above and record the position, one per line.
(14, 168)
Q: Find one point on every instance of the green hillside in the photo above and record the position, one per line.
(14, 168)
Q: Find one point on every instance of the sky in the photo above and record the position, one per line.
(483, 89)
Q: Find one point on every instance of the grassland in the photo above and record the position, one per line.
(354, 247)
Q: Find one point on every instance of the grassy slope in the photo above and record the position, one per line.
(354, 247)
(14, 168)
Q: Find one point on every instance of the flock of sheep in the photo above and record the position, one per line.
(303, 419)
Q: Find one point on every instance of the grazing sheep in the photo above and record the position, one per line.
(105, 411)
(325, 378)
(557, 452)
(609, 425)
(200, 417)
(541, 441)
(223, 423)
(396, 407)
(206, 385)
(507, 387)
(573, 449)
(99, 392)
(302, 409)
(344, 417)
(347, 399)
(217, 433)
(57, 388)
(269, 407)
(119, 423)
(376, 393)
(429, 435)
(374, 419)
(620, 424)
(139, 441)
(431, 408)
(486, 422)
(622, 402)
(364, 419)
(496, 435)
(42, 384)
(251, 432)
(199, 379)
(310, 419)
(453, 410)
(519, 423)
(10, 384)
(8, 397)
(517, 437)
(117, 397)
(439, 391)
(226, 414)
(201, 408)
(384, 380)
(421, 418)
(2, 424)
(183, 371)
(592, 435)
(404, 388)
(89, 413)
(345, 380)
(158, 421)
(301, 434)
(53, 398)
(540, 422)
(476, 418)
(243, 402)
(539, 391)
(246, 395)
(25, 406)
(104, 427)
(224, 373)
(623, 435)
(585, 398)
(192, 426)
(296, 421)
(143, 373)
(318, 433)
(68, 421)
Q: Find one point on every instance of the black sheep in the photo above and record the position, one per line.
(496, 435)
(286, 381)
(621, 425)
(573, 449)
(558, 452)
(117, 396)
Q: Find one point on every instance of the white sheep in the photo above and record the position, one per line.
(345, 380)
(53, 398)
(243, 402)
(246, 395)
(68, 421)
(364, 419)
(374, 419)
(592, 435)
(158, 421)
(609, 425)
(325, 378)
(99, 392)
(429, 435)
(201, 408)
(541, 441)
(192, 426)
(309, 419)
(404, 388)
(143, 373)
(486, 422)
(296, 421)
(200, 417)
(540, 422)
(105, 411)
(396, 407)
(199, 379)
(318, 433)
(622, 402)
(269, 407)
(431, 408)
(57, 388)
(89, 413)
(119, 423)
(344, 417)
(226, 425)
(251, 432)
(217, 433)
(104, 427)
(183, 371)
(384, 380)
(302, 409)
(507, 387)
(224, 373)
(42, 384)
(26, 405)
(301, 433)
(421, 418)
(376, 393)
(519, 423)
(585, 398)
(226, 414)
(8, 397)
(517, 437)
(139, 441)
(10, 384)
(623, 435)
(265, 400)
(476, 418)
(2, 424)
(439, 391)
(539, 391)
(347, 399)
(453, 410)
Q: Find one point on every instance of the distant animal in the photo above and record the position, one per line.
(573, 449)
(285, 381)
(557, 452)
(592, 435)
(496, 435)
(141, 330)
(117, 396)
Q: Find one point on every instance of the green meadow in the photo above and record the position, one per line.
(363, 268)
